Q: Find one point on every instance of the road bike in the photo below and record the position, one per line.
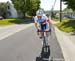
(45, 37)
(45, 53)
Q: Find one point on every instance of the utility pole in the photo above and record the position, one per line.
(60, 10)
(52, 12)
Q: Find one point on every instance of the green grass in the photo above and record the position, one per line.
(55, 19)
(29, 17)
(66, 25)
(5, 22)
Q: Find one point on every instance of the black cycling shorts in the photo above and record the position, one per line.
(43, 26)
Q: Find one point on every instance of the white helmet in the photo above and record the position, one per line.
(39, 12)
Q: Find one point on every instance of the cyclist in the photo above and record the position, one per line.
(42, 23)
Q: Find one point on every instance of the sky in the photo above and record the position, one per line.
(47, 4)
(4, 0)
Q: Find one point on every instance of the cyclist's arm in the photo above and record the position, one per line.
(36, 24)
(49, 21)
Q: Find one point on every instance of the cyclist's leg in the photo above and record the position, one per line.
(41, 33)
(47, 33)
(47, 29)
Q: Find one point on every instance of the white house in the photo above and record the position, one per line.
(11, 11)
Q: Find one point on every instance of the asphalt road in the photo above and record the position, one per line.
(26, 46)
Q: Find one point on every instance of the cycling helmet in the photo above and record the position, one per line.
(39, 12)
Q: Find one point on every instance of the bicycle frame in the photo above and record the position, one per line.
(45, 38)
(45, 53)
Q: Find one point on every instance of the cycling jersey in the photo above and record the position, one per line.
(42, 23)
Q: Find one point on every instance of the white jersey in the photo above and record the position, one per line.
(43, 17)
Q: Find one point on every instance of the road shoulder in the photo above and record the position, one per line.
(68, 48)
(10, 30)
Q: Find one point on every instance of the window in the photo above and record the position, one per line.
(8, 7)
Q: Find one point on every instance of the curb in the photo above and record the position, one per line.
(67, 47)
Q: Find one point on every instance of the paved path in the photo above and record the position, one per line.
(67, 43)
(10, 30)
(25, 45)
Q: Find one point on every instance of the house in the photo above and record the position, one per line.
(8, 11)
(11, 11)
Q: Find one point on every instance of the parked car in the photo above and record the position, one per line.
(1, 17)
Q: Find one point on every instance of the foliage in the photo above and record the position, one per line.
(70, 3)
(26, 6)
(66, 25)
(3, 9)
(35, 5)
(66, 9)
(5, 22)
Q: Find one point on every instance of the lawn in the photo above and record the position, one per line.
(66, 25)
(55, 19)
(5, 22)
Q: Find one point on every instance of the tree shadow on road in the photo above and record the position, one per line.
(22, 21)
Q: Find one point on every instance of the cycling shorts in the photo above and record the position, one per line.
(44, 27)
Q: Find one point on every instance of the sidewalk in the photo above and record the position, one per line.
(66, 44)
(6, 31)
(72, 37)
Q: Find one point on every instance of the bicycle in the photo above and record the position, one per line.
(45, 38)
(45, 53)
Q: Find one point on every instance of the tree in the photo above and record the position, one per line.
(26, 6)
(20, 6)
(66, 9)
(35, 5)
(3, 9)
(70, 3)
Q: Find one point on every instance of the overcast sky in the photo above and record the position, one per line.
(47, 4)
(4, 0)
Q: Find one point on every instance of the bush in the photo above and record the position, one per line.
(66, 25)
